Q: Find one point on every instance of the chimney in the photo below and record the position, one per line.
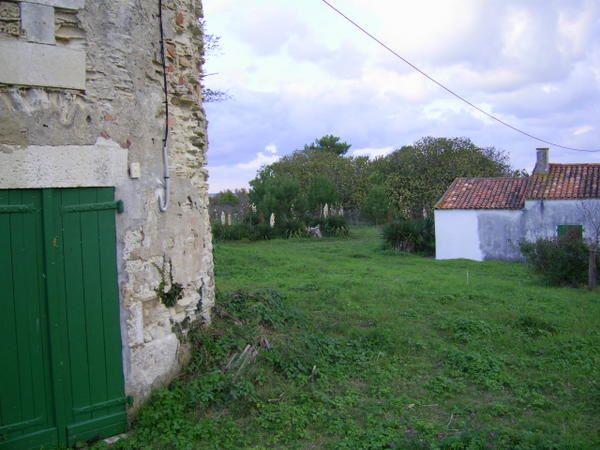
(541, 164)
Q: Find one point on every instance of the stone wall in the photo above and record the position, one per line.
(82, 104)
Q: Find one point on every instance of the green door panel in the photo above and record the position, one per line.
(25, 389)
(62, 379)
(92, 305)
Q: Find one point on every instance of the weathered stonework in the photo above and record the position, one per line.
(10, 19)
(57, 133)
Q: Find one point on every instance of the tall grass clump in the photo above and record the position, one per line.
(415, 236)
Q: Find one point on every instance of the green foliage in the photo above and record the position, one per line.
(466, 329)
(482, 368)
(375, 205)
(168, 297)
(559, 261)
(248, 230)
(415, 235)
(226, 197)
(534, 326)
(405, 183)
(418, 175)
(324, 174)
(332, 226)
(329, 143)
(275, 194)
(321, 192)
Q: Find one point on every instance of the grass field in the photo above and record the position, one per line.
(359, 347)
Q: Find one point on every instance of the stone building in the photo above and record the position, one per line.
(487, 218)
(99, 283)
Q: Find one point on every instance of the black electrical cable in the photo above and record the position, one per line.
(491, 116)
(164, 67)
(163, 200)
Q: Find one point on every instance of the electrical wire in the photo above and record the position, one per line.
(163, 199)
(491, 116)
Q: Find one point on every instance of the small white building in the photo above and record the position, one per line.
(487, 218)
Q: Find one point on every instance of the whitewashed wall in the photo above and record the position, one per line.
(542, 217)
(481, 234)
(457, 234)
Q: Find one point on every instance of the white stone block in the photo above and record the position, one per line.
(65, 4)
(28, 64)
(37, 21)
(41, 166)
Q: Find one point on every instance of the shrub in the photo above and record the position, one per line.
(333, 226)
(560, 261)
(233, 232)
(293, 228)
(252, 229)
(411, 235)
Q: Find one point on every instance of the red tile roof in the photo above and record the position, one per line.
(562, 182)
(484, 193)
(565, 181)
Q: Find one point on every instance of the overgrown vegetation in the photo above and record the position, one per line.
(254, 230)
(415, 236)
(562, 261)
(339, 344)
(167, 290)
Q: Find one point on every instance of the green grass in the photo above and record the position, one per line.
(363, 348)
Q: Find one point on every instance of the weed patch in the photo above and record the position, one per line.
(466, 329)
(535, 327)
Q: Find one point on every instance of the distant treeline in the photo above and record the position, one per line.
(404, 184)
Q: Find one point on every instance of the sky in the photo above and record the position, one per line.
(295, 71)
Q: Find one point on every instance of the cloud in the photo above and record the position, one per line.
(237, 176)
(372, 152)
(261, 160)
(296, 71)
(583, 130)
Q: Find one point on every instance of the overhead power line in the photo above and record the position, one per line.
(460, 97)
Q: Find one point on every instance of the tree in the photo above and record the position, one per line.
(418, 175)
(276, 194)
(324, 158)
(226, 197)
(321, 192)
(375, 205)
(329, 143)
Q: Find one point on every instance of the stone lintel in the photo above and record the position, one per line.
(41, 166)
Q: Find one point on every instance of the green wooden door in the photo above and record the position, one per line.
(27, 417)
(63, 324)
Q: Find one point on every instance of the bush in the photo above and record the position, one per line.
(333, 226)
(411, 235)
(233, 232)
(254, 230)
(560, 261)
(293, 228)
